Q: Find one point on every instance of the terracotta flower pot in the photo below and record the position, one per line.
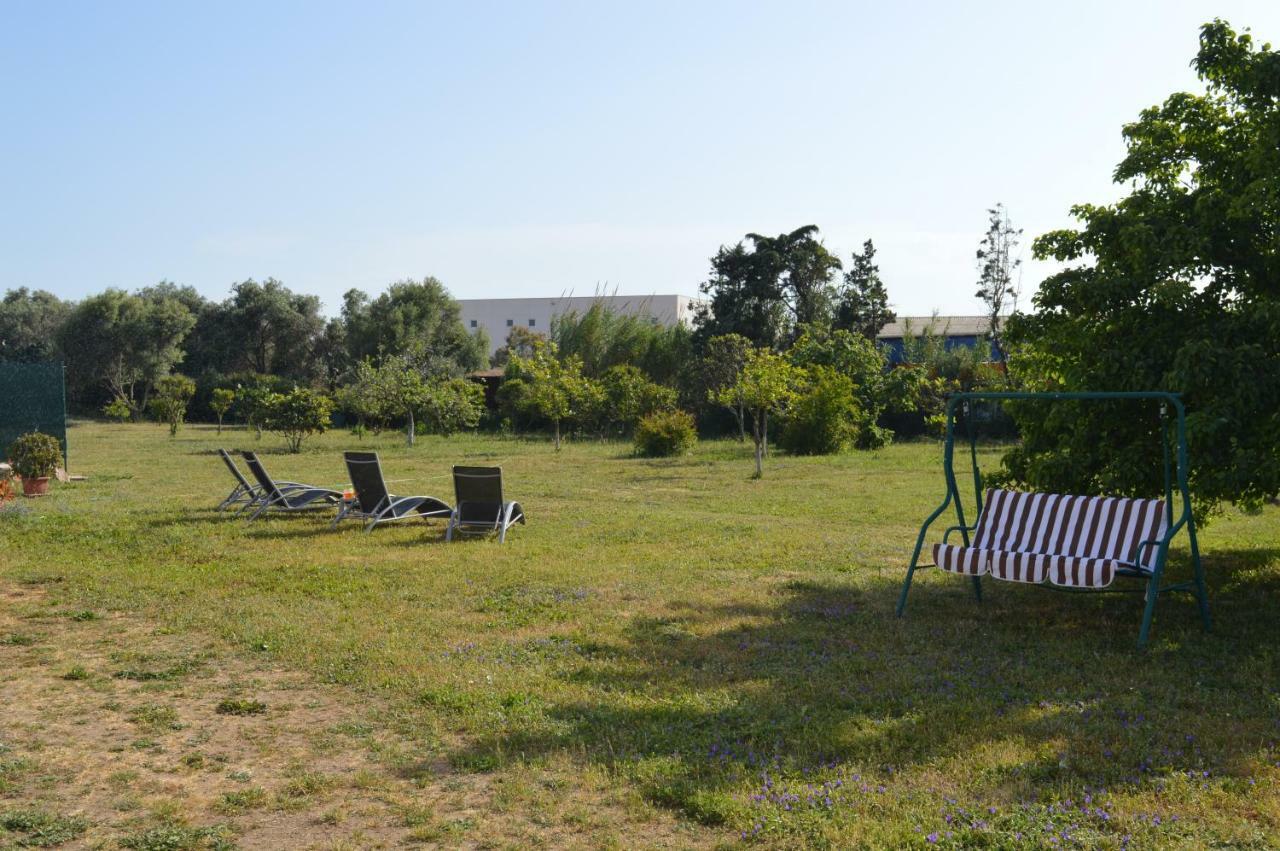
(35, 487)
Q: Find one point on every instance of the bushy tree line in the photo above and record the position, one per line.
(118, 345)
(785, 356)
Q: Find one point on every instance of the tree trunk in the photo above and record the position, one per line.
(764, 431)
(742, 425)
(410, 428)
(757, 437)
(557, 423)
(219, 423)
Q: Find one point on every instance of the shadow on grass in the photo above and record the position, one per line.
(1022, 696)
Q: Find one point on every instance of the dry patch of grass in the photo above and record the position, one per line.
(117, 734)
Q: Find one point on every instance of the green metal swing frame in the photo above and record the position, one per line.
(1175, 477)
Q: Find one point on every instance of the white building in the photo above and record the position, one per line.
(497, 316)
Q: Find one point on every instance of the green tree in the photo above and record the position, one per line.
(253, 401)
(297, 415)
(863, 306)
(629, 396)
(1174, 287)
(807, 269)
(552, 388)
(394, 388)
(220, 402)
(604, 338)
(783, 282)
(118, 409)
(413, 317)
(998, 280)
(876, 388)
(169, 404)
(269, 329)
(719, 367)
(520, 341)
(29, 325)
(766, 384)
(453, 405)
(123, 344)
(825, 417)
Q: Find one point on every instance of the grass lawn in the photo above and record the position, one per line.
(671, 653)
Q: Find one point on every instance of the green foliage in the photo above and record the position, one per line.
(35, 455)
(998, 265)
(604, 338)
(764, 386)
(630, 396)
(393, 389)
(719, 367)
(417, 318)
(452, 406)
(118, 409)
(297, 414)
(520, 341)
(1174, 287)
(665, 433)
(41, 829)
(825, 417)
(269, 329)
(240, 706)
(29, 323)
(123, 344)
(763, 294)
(169, 404)
(253, 401)
(220, 401)
(863, 306)
(876, 388)
(552, 388)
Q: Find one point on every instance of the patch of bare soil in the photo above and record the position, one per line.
(116, 734)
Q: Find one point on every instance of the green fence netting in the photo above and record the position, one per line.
(32, 398)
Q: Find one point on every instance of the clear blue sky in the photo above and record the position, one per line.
(528, 149)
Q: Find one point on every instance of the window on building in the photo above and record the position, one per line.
(530, 323)
(473, 323)
(510, 322)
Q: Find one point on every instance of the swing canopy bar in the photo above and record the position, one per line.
(1067, 542)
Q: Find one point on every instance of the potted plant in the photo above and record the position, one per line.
(35, 456)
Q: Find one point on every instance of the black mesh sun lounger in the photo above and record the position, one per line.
(374, 504)
(278, 497)
(481, 509)
(245, 494)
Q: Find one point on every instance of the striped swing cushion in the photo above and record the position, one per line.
(1071, 541)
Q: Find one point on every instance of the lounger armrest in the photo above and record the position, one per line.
(947, 534)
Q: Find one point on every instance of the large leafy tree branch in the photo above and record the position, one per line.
(1174, 287)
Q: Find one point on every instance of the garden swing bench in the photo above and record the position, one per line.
(1070, 543)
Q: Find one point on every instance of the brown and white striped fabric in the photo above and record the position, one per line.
(1072, 541)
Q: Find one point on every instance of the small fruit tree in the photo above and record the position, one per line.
(297, 414)
(169, 404)
(220, 402)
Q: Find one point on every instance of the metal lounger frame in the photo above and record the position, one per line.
(365, 471)
(244, 492)
(469, 485)
(278, 498)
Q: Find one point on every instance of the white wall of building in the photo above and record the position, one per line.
(497, 316)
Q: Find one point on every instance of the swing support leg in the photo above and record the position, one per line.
(1202, 596)
(1148, 612)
